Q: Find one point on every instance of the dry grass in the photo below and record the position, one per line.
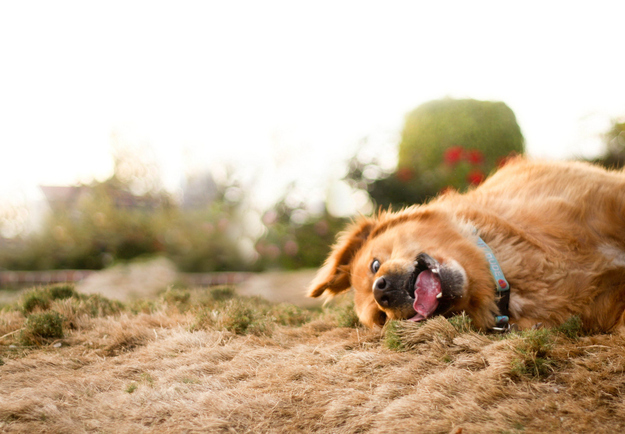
(212, 362)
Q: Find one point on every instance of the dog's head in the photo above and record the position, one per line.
(407, 265)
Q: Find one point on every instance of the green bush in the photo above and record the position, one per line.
(484, 130)
(447, 143)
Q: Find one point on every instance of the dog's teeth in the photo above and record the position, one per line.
(436, 271)
(439, 295)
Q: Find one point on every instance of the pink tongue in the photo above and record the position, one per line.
(427, 288)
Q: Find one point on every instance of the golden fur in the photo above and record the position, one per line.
(556, 228)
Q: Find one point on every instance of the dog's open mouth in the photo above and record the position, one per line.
(427, 287)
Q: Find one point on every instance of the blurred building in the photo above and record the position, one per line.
(68, 198)
(63, 197)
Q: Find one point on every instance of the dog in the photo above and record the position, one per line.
(536, 243)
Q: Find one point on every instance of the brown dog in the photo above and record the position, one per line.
(556, 229)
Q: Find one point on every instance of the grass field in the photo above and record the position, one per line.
(211, 361)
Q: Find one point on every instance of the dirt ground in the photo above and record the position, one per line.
(281, 287)
(147, 279)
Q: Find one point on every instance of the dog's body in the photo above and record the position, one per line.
(557, 230)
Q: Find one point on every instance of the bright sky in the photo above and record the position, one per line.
(287, 89)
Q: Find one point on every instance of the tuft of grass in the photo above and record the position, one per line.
(131, 387)
(572, 328)
(62, 291)
(392, 337)
(204, 319)
(533, 348)
(43, 298)
(40, 327)
(215, 296)
(96, 305)
(148, 379)
(222, 293)
(240, 317)
(222, 309)
(35, 299)
(462, 323)
(344, 314)
(289, 315)
(533, 353)
(142, 306)
(179, 298)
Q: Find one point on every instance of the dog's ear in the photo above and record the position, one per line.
(334, 277)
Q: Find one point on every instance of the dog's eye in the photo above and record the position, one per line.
(375, 266)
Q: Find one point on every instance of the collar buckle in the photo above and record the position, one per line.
(502, 325)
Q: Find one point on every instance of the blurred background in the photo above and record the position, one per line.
(241, 136)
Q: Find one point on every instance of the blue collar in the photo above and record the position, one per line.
(495, 269)
(502, 285)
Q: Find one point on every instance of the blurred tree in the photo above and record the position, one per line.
(109, 221)
(446, 143)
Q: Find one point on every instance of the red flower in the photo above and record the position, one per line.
(475, 157)
(453, 155)
(476, 177)
(405, 174)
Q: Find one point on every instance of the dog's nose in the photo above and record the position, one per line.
(379, 293)
(380, 284)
